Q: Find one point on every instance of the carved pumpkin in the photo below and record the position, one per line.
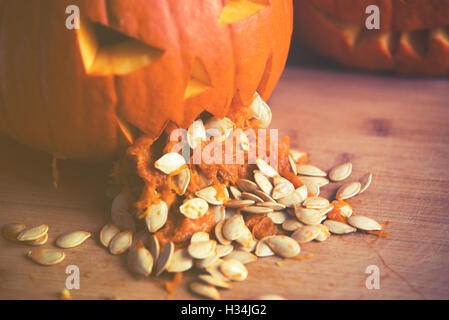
(133, 67)
(413, 36)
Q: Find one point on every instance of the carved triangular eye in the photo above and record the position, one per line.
(105, 51)
(235, 10)
(199, 80)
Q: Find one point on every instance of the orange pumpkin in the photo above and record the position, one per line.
(133, 67)
(413, 36)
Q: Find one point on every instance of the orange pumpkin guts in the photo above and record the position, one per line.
(132, 68)
(413, 36)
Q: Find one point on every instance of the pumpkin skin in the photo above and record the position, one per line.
(50, 100)
(413, 36)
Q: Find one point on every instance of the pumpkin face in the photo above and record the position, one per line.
(413, 36)
(133, 67)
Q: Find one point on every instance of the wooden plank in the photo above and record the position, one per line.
(398, 128)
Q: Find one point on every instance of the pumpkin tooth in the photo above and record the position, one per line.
(199, 80)
(127, 130)
(236, 10)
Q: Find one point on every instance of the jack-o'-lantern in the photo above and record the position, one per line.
(413, 37)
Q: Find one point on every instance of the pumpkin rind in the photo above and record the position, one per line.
(48, 100)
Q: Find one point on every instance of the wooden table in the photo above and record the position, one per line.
(398, 128)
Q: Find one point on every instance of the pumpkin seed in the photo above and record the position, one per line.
(213, 281)
(243, 141)
(220, 213)
(265, 168)
(47, 257)
(246, 240)
(364, 223)
(272, 205)
(338, 227)
(251, 196)
(295, 198)
(194, 208)
(365, 181)
(283, 190)
(316, 203)
(181, 181)
(291, 224)
(310, 170)
(348, 190)
(202, 249)
(284, 246)
(343, 208)
(263, 249)
(323, 233)
(292, 164)
(210, 195)
(235, 193)
(180, 262)
(164, 258)
(319, 181)
(224, 250)
(108, 232)
(312, 188)
(33, 233)
(278, 217)
(249, 247)
(306, 234)
(264, 196)
(309, 216)
(170, 162)
(139, 259)
(261, 111)
(38, 242)
(243, 256)
(256, 210)
(205, 290)
(204, 263)
(72, 239)
(156, 216)
(11, 230)
(199, 236)
(196, 134)
(121, 242)
(341, 172)
(237, 204)
(219, 233)
(247, 185)
(220, 129)
(155, 248)
(234, 270)
(263, 182)
(234, 227)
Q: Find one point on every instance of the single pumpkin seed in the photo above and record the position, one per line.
(319, 181)
(265, 168)
(323, 234)
(205, 290)
(237, 204)
(348, 190)
(224, 250)
(261, 111)
(284, 246)
(283, 190)
(247, 185)
(202, 249)
(220, 213)
(316, 203)
(338, 227)
(170, 162)
(196, 134)
(181, 181)
(263, 249)
(292, 164)
(256, 210)
(246, 240)
(309, 216)
(365, 181)
(199, 236)
(121, 242)
(251, 196)
(291, 224)
(234, 227)
(306, 234)
(156, 216)
(235, 193)
(47, 257)
(180, 262)
(364, 223)
(72, 239)
(263, 182)
(139, 259)
(272, 205)
(219, 233)
(11, 230)
(278, 217)
(242, 256)
(32, 233)
(108, 232)
(164, 258)
(233, 270)
(309, 170)
(340, 172)
(194, 208)
(213, 281)
(210, 195)
(155, 248)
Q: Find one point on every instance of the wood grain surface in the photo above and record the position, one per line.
(398, 128)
